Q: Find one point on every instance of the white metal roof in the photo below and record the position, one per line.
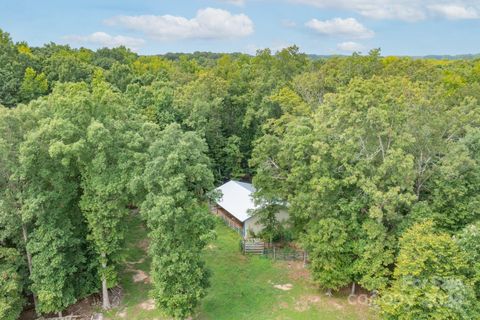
(237, 199)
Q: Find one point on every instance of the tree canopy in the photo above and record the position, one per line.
(375, 158)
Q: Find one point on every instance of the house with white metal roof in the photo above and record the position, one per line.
(235, 207)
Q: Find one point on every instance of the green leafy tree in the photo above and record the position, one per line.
(177, 177)
(368, 157)
(200, 104)
(331, 258)
(11, 284)
(15, 221)
(360, 147)
(12, 69)
(93, 151)
(33, 85)
(120, 75)
(107, 57)
(232, 158)
(453, 197)
(58, 238)
(430, 279)
(469, 241)
(375, 247)
(103, 201)
(272, 228)
(154, 101)
(109, 168)
(67, 65)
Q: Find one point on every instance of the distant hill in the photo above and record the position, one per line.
(216, 55)
(451, 57)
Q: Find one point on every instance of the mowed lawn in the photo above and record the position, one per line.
(242, 287)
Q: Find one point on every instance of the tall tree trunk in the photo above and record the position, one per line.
(29, 262)
(353, 288)
(105, 299)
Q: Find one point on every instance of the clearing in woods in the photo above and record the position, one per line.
(242, 287)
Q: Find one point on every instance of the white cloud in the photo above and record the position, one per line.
(407, 10)
(377, 9)
(105, 40)
(350, 46)
(349, 27)
(455, 12)
(208, 23)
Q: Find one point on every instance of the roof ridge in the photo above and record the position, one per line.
(243, 185)
(237, 198)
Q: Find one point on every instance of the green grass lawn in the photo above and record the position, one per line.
(242, 287)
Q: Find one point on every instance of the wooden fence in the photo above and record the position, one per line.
(253, 246)
(256, 246)
(287, 254)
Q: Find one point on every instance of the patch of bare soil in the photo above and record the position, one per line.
(115, 295)
(83, 309)
(297, 271)
(358, 290)
(141, 260)
(141, 276)
(284, 287)
(27, 315)
(143, 244)
(147, 305)
(122, 313)
(335, 304)
(305, 302)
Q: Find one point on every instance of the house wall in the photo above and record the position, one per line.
(227, 217)
(254, 225)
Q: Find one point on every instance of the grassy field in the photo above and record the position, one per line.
(243, 287)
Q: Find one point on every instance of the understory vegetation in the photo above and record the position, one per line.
(376, 159)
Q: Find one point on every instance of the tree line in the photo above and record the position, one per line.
(376, 158)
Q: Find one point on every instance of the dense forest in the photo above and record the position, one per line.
(377, 159)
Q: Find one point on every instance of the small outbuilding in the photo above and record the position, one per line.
(235, 207)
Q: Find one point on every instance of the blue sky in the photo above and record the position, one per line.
(398, 27)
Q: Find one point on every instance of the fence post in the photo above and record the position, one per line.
(273, 252)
